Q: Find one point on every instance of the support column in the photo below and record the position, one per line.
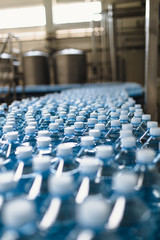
(49, 19)
(112, 41)
(151, 56)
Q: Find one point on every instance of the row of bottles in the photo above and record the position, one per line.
(80, 164)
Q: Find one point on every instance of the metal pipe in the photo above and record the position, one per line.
(151, 56)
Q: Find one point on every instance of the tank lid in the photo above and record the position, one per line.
(35, 54)
(5, 56)
(70, 51)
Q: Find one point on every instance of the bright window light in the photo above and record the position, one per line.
(22, 17)
(76, 12)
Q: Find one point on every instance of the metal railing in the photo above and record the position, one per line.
(11, 68)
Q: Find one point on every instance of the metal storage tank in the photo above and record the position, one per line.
(36, 68)
(70, 66)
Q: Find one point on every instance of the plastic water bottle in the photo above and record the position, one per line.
(7, 187)
(154, 140)
(79, 129)
(145, 118)
(128, 211)
(138, 131)
(89, 180)
(30, 137)
(114, 132)
(71, 118)
(44, 147)
(123, 134)
(11, 145)
(149, 182)
(64, 161)
(53, 118)
(69, 137)
(102, 119)
(90, 124)
(44, 122)
(54, 135)
(131, 112)
(146, 135)
(101, 127)
(61, 126)
(92, 217)
(124, 119)
(19, 220)
(23, 168)
(113, 116)
(126, 157)
(6, 129)
(59, 215)
(96, 134)
(94, 115)
(2, 117)
(109, 167)
(39, 188)
(87, 147)
(63, 116)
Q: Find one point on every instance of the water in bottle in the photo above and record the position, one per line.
(149, 182)
(58, 213)
(154, 140)
(19, 220)
(106, 155)
(128, 211)
(87, 147)
(126, 157)
(65, 162)
(92, 217)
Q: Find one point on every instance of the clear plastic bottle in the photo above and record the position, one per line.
(145, 118)
(92, 217)
(11, 145)
(154, 140)
(44, 147)
(109, 167)
(146, 135)
(6, 129)
(149, 182)
(128, 211)
(126, 157)
(30, 137)
(71, 118)
(19, 220)
(138, 131)
(79, 129)
(45, 121)
(114, 132)
(55, 136)
(102, 128)
(65, 162)
(87, 147)
(69, 137)
(123, 134)
(58, 213)
(89, 180)
(38, 191)
(124, 119)
(23, 168)
(61, 126)
(7, 187)
(90, 124)
(97, 136)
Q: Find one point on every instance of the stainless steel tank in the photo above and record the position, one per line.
(70, 66)
(36, 68)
